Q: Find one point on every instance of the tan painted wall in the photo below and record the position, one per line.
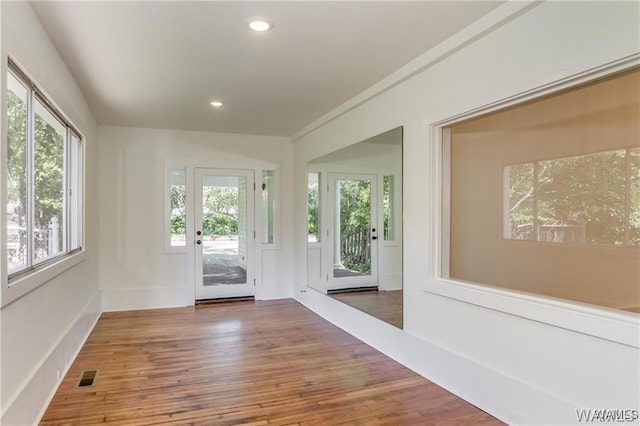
(600, 117)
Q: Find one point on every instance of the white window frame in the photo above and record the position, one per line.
(17, 284)
(610, 324)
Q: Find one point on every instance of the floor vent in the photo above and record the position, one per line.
(225, 300)
(87, 378)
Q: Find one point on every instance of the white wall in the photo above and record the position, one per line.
(135, 272)
(42, 331)
(521, 370)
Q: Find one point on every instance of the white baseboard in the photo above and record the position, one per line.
(510, 399)
(130, 299)
(28, 405)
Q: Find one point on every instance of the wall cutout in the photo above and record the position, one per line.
(545, 196)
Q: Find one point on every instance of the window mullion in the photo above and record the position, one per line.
(30, 153)
(66, 199)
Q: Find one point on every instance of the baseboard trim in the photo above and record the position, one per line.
(512, 401)
(352, 290)
(38, 391)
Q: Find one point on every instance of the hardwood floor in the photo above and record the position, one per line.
(384, 305)
(252, 363)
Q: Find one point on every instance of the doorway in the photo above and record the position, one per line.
(353, 202)
(224, 233)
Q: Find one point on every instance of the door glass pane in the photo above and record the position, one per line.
(353, 225)
(224, 230)
(49, 184)
(16, 174)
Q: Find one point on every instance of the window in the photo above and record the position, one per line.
(44, 179)
(268, 206)
(313, 207)
(177, 208)
(575, 200)
(544, 197)
(388, 208)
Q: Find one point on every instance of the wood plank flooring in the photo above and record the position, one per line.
(251, 363)
(384, 305)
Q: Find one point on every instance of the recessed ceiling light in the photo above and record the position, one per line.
(260, 24)
(216, 104)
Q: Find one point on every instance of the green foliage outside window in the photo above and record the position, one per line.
(48, 162)
(220, 210)
(584, 193)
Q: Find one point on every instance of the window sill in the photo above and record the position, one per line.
(23, 285)
(610, 324)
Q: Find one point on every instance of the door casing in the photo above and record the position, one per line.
(330, 237)
(225, 290)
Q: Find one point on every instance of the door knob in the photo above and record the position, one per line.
(199, 233)
(198, 242)
(374, 238)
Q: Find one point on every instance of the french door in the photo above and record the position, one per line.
(224, 229)
(353, 234)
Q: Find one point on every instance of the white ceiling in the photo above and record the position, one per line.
(159, 64)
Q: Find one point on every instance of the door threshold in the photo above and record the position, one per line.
(225, 300)
(352, 290)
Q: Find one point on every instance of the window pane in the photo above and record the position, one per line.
(44, 178)
(313, 207)
(16, 174)
(571, 187)
(268, 205)
(519, 202)
(75, 172)
(388, 207)
(582, 199)
(634, 195)
(48, 182)
(178, 214)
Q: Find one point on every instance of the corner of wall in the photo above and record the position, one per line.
(29, 404)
